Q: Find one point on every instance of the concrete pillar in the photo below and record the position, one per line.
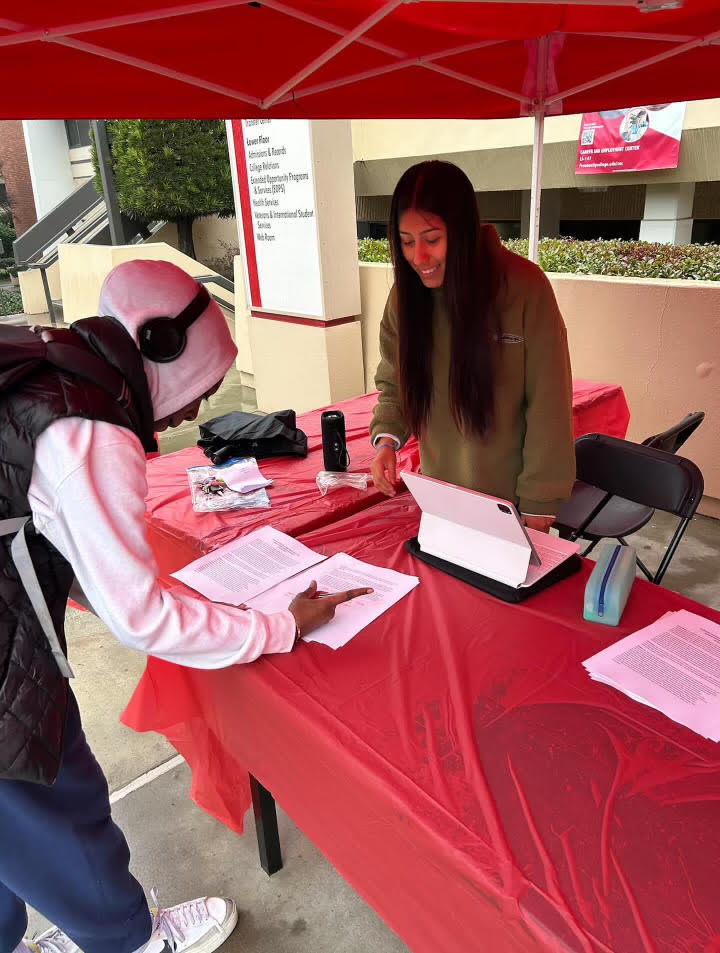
(49, 160)
(668, 213)
(295, 200)
(549, 213)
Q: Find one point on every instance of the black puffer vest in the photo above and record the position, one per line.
(33, 693)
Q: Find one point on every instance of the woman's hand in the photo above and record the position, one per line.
(384, 469)
(541, 523)
(312, 609)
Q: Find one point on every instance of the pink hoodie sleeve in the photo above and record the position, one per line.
(87, 496)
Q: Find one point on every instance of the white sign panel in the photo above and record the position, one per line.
(276, 190)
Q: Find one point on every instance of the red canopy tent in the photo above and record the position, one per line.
(358, 58)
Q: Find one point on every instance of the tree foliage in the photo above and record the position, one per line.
(170, 170)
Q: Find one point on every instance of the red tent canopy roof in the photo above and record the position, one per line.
(358, 58)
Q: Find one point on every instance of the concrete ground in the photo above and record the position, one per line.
(185, 853)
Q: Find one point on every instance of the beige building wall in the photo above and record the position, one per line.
(305, 367)
(390, 138)
(83, 269)
(33, 291)
(216, 242)
(660, 340)
(497, 153)
(375, 283)
(81, 165)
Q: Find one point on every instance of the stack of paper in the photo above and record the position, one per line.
(266, 569)
(672, 665)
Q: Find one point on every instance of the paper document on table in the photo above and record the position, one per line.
(336, 574)
(672, 665)
(248, 566)
(552, 551)
(243, 475)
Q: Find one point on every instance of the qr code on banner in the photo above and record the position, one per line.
(588, 137)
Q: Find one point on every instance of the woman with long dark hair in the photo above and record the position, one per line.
(474, 356)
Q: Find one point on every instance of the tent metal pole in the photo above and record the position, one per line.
(304, 17)
(156, 68)
(350, 37)
(536, 185)
(542, 68)
(550, 3)
(639, 65)
(29, 35)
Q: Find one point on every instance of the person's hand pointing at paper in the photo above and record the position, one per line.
(311, 610)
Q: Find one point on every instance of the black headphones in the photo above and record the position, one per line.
(163, 339)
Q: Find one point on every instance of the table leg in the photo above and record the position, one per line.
(266, 827)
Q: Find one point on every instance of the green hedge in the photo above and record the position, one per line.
(7, 235)
(10, 302)
(628, 259)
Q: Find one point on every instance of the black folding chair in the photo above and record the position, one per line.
(674, 437)
(639, 475)
(620, 517)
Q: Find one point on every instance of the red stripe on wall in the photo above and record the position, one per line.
(246, 208)
(292, 319)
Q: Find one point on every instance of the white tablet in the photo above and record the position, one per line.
(482, 533)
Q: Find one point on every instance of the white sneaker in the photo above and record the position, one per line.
(198, 926)
(52, 941)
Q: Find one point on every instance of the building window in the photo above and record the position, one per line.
(589, 230)
(706, 231)
(507, 230)
(78, 132)
(372, 230)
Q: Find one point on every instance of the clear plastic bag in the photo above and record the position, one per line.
(210, 491)
(329, 480)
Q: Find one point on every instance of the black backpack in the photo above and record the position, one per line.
(252, 435)
(100, 351)
(24, 350)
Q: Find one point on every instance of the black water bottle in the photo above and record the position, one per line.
(335, 455)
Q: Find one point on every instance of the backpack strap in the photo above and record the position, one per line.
(26, 571)
(66, 352)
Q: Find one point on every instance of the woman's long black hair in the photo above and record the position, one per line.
(470, 289)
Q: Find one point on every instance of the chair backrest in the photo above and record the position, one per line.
(674, 437)
(639, 473)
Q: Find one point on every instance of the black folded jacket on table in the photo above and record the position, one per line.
(238, 434)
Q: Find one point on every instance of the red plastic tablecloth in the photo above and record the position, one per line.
(599, 408)
(178, 534)
(459, 767)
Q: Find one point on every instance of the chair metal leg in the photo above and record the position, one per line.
(643, 568)
(670, 552)
(577, 533)
(592, 546)
(266, 827)
(641, 565)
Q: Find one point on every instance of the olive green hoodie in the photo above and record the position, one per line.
(528, 455)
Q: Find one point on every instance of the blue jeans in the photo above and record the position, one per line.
(61, 852)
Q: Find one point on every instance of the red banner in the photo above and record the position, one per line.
(630, 140)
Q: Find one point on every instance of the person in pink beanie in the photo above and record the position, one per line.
(72, 463)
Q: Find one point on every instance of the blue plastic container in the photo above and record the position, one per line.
(610, 582)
